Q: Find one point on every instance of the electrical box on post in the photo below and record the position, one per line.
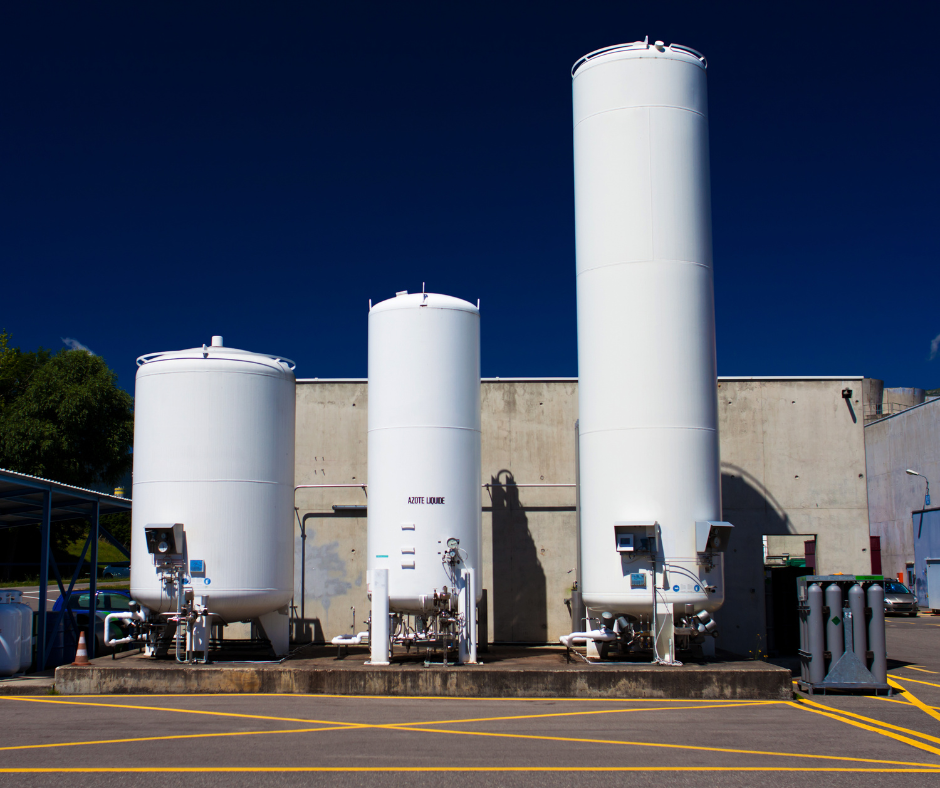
(164, 540)
(712, 537)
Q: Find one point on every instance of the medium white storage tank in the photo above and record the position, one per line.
(649, 463)
(214, 450)
(15, 598)
(11, 637)
(424, 444)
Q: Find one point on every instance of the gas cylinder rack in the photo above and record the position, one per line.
(842, 633)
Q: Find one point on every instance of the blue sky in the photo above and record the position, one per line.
(260, 170)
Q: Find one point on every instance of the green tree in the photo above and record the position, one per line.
(62, 417)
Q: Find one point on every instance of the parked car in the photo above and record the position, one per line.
(116, 570)
(107, 601)
(899, 599)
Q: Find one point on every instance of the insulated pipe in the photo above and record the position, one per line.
(876, 633)
(816, 635)
(603, 635)
(118, 617)
(350, 640)
(379, 635)
(834, 622)
(857, 606)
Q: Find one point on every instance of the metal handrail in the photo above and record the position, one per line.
(645, 44)
(148, 357)
(604, 50)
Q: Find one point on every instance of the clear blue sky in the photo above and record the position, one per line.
(260, 170)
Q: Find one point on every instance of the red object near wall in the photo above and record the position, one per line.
(875, 548)
(809, 551)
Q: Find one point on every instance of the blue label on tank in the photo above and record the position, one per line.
(698, 588)
(207, 581)
(926, 500)
(675, 588)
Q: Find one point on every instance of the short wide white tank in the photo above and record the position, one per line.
(214, 450)
(424, 443)
(646, 322)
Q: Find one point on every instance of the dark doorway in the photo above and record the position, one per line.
(783, 623)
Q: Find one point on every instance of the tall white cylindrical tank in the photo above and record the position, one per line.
(424, 443)
(646, 323)
(214, 450)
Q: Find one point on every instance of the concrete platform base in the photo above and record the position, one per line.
(507, 673)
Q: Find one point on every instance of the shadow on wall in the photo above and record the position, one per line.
(742, 492)
(762, 609)
(519, 590)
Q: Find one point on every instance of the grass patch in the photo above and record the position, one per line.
(107, 552)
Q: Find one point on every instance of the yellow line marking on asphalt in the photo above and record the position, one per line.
(921, 769)
(844, 713)
(914, 699)
(311, 696)
(579, 713)
(922, 670)
(55, 701)
(893, 700)
(663, 745)
(167, 738)
(410, 729)
(849, 721)
(712, 704)
(915, 681)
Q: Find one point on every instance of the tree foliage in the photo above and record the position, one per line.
(62, 416)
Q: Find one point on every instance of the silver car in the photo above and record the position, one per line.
(898, 599)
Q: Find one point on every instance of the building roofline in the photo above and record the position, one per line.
(903, 412)
(721, 378)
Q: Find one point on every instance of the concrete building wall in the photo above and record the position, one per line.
(910, 439)
(529, 534)
(793, 462)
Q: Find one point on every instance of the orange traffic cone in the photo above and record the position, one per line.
(81, 653)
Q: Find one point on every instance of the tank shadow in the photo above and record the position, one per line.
(520, 614)
(761, 606)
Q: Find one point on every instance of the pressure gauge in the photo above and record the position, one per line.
(452, 543)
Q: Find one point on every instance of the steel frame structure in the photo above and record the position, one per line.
(28, 500)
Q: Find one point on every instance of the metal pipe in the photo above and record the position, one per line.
(604, 635)
(119, 617)
(513, 484)
(577, 602)
(653, 630)
(325, 486)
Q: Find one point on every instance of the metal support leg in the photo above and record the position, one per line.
(467, 637)
(378, 642)
(42, 635)
(93, 584)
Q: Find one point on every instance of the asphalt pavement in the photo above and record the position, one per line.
(288, 740)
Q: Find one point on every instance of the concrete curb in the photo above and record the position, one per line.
(27, 686)
(751, 681)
